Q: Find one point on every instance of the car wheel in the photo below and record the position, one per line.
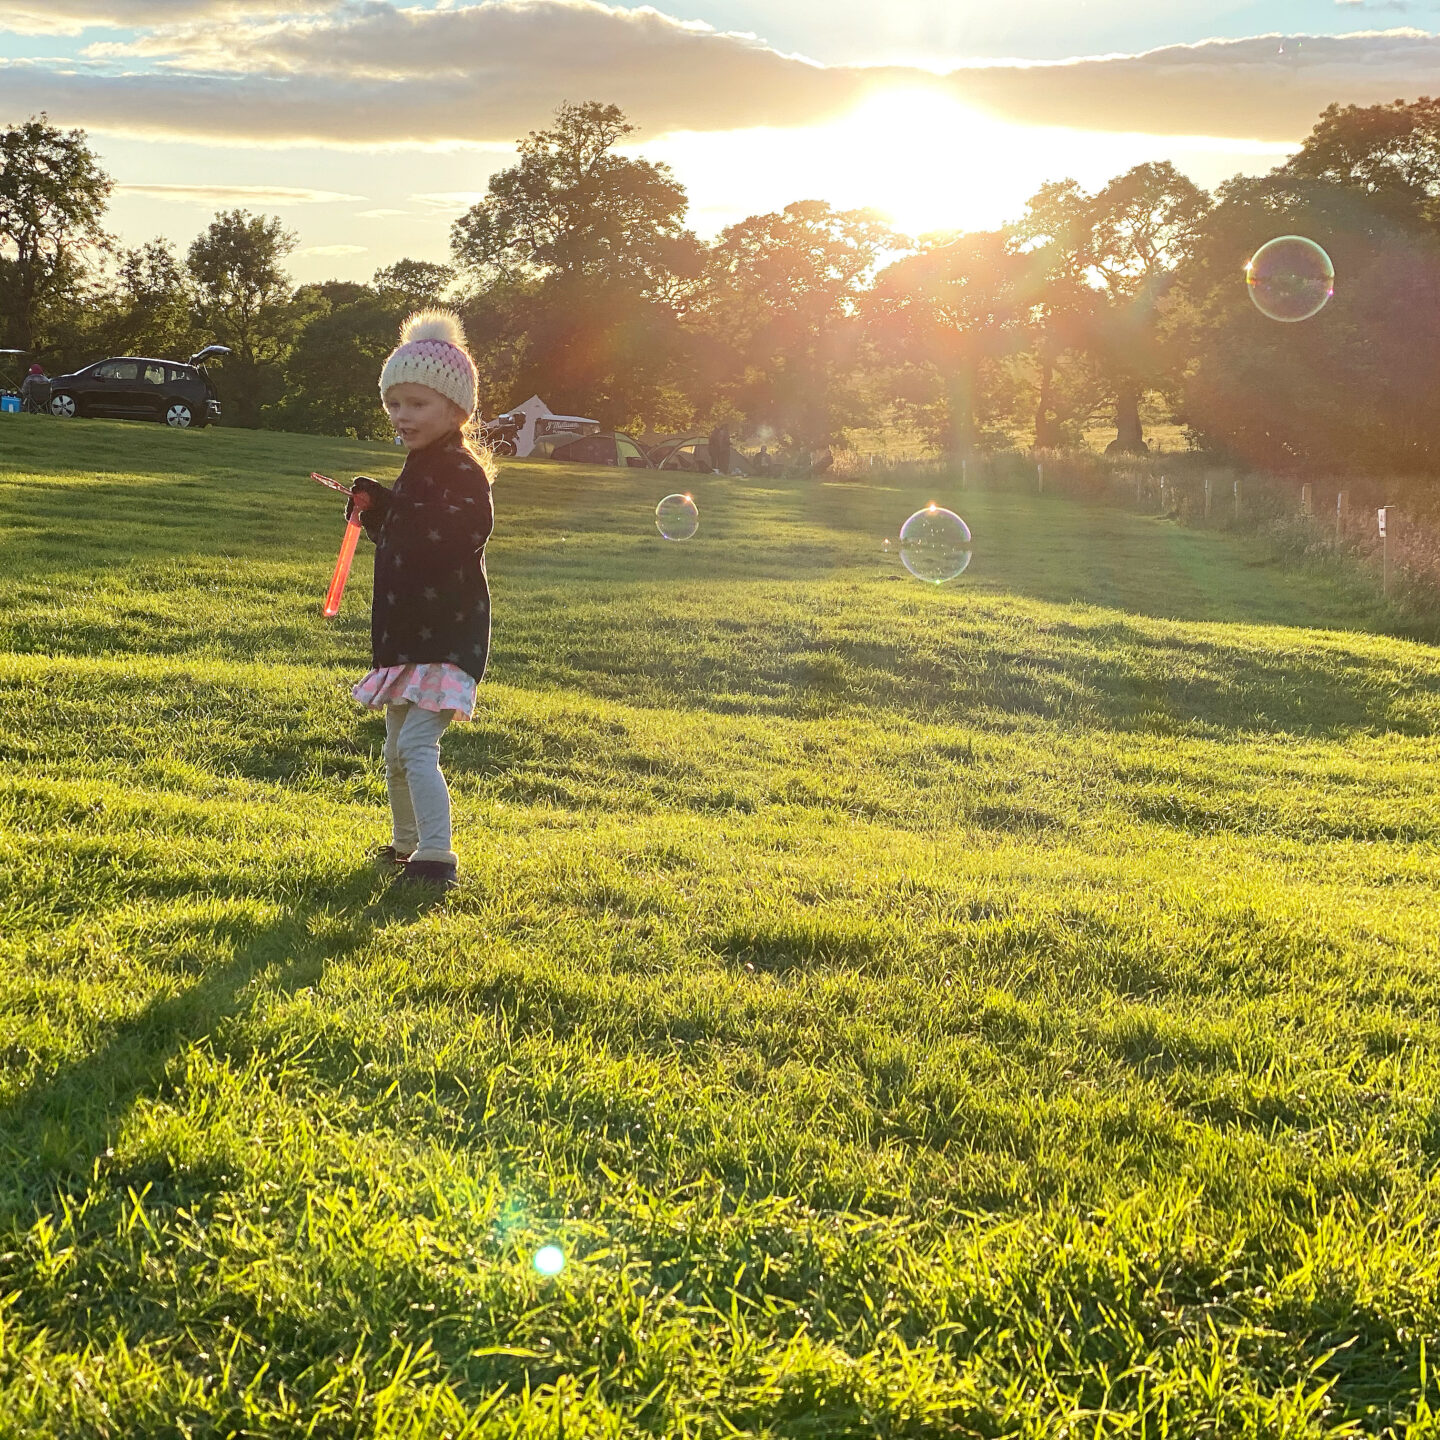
(63, 406)
(178, 415)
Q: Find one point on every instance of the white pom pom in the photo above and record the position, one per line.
(433, 325)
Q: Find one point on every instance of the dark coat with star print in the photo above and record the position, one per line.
(432, 598)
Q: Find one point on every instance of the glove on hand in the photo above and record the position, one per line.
(365, 494)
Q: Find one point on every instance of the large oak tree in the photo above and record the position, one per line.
(53, 194)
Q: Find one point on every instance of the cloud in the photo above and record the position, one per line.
(71, 17)
(271, 196)
(334, 250)
(449, 202)
(1269, 87)
(372, 74)
(382, 213)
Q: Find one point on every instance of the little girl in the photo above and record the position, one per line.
(430, 616)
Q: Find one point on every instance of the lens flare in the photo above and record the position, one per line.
(549, 1260)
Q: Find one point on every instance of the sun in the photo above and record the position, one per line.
(927, 161)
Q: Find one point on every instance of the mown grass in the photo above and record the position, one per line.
(1000, 1010)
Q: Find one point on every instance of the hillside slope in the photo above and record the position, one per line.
(1001, 1009)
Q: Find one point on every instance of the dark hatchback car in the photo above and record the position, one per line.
(131, 387)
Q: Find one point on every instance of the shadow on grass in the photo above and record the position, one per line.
(1117, 675)
(55, 1132)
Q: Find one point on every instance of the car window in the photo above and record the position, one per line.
(154, 375)
(117, 370)
(181, 372)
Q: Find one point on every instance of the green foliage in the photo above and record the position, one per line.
(780, 302)
(578, 280)
(961, 305)
(157, 304)
(1390, 153)
(1350, 390)
(573, 208)
(333, 368)
(52, 201)
(242, 300)
(998, 1010)
(414, 284)
(580, 256)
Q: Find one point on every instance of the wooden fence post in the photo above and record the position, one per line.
(1207, 494)
(1307, 500)
(1237, 499)
(1340, 505)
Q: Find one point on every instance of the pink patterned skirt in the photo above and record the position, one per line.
(431, 687)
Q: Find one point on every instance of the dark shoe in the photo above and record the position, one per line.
(441, 873)
(388, 858)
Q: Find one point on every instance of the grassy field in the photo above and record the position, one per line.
(1006, 1009)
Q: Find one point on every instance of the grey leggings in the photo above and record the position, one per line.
(419, 798)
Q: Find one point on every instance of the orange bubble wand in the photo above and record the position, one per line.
(343, 562)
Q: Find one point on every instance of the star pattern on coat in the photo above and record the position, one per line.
(431, 597)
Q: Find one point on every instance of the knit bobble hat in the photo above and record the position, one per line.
(432, 352)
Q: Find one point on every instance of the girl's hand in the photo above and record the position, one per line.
(365, 493)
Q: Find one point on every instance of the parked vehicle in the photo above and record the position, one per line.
(500, 434)
(552, 431)
(132, 387)
(603, 449)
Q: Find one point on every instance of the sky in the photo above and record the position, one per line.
(367, 126)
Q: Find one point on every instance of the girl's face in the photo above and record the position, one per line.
(421, 415)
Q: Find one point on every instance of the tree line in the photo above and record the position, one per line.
(579, 279)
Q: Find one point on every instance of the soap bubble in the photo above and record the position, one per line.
(935, 545)
(549, 1260)
(676, 517)
(1290, 278)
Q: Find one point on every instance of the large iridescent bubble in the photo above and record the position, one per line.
(1290, 278)
(935, 544)
(676, 517)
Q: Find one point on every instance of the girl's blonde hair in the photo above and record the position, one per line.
(477, 449)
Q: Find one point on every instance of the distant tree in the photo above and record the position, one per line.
(1064, 317)
(53, 195)
(579, 261)
(572, 207)
(343, 332)
(781, 299)
(242, 295)
(1141, 227)
(958, 305)
(414, 284)
(1354, 387)
(1389, 152)
(154, 301)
